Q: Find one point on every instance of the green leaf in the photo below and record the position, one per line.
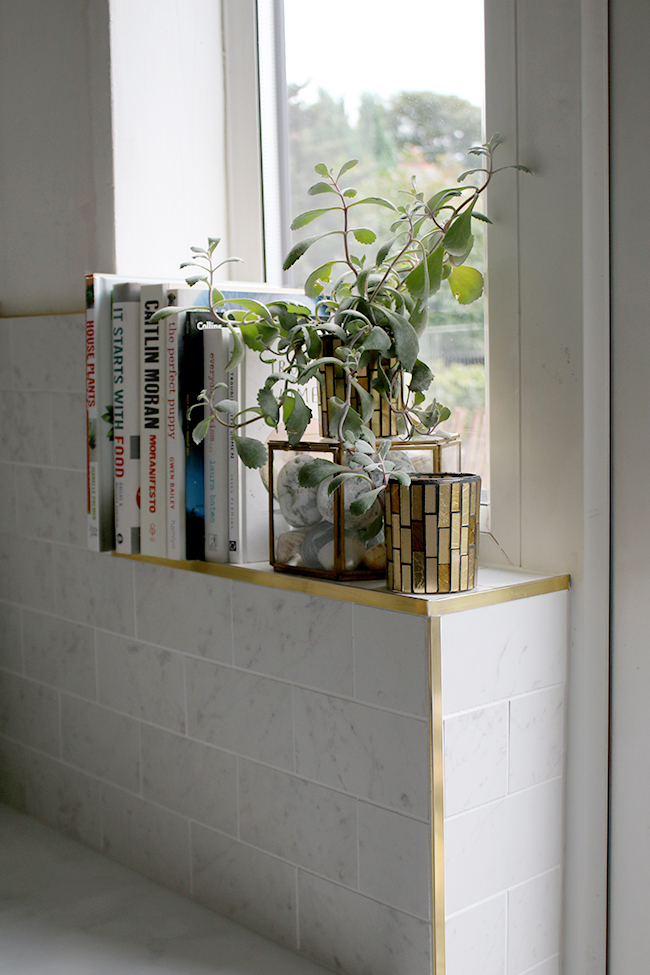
(469, 172)
(376, 201)
(340, 479)
(238, 351)
(481, 217)
(439, 199)
(304, 218)
(363, 502)
(425, 278)
(350, 164)
(198, 250)
(366, 401)
(320, 188)
(229, 406)
(213, 242)
(350, 192)
(419, 317)
(200, 430)
(421, 377)
(251, 336)
(317, 278)
(321, 169)
(406, 339)
(296, 422)
(251, 452)
(311, 474)
(269, 405)
(373, 529)
(364, 235)
(466, 284)
(458, 235)
(299, 249)
(254, 306)
(383, 251)
(401, 476)
(377, 340)
(216, 296)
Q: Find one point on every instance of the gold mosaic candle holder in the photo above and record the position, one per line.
(383, 421)
(432, 530)
(312, 533)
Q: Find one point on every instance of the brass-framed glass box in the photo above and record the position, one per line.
(432, 532)
(314, 533)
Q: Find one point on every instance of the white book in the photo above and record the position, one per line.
(248, 515)
(99, 409)
(216, 352)
(126, 415)
(153, 500)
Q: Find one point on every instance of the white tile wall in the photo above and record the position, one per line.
(504, 669)
(266, 752)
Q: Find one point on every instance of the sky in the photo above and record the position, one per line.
(385, 46)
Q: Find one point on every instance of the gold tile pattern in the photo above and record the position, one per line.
(383, 421)
(434, 533)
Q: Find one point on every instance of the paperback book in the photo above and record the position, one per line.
(126, 416)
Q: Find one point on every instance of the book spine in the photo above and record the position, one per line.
(191, 386)
(215, 349)
(126, 416)
(176, 539)
(234, 499)
(153, 504)
(99, 419)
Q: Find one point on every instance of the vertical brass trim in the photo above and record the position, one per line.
(437, 812)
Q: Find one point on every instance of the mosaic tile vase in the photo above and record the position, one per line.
(432, 531)
(383, 421)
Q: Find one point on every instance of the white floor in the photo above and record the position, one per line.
(66, 910)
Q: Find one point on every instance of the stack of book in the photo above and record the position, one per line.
(151, 489)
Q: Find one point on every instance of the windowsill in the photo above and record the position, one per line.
(494, 586)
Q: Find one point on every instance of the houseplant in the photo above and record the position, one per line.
(367, 317)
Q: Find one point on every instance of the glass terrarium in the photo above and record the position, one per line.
(428, 455)
(313, 532)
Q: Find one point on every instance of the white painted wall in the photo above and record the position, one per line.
(630, 795)
(56, 212)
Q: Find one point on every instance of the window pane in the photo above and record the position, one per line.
(403, 95)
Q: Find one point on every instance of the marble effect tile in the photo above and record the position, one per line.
(534, 919)
(26, 568)
(244, 713)
(143, 837)
(71, 911)
(497, 652)
(395, 860)
(505, 843)
(536, 738)
(475, 940)
(8, 521)
(10, 638)
(12, 774)
(145, 682)
(25, 428)
(59, 653)
(68, 429)
(299, 821)
(194, 615)
(475, 758)
(63, 798)
(101, 742)
(94, 589)
(310, 641)
(29, 713)
(356, 936)
(51, 504)
(245, 885)
(188, 777)
(48, 352)
(391, 660)
(373, 754)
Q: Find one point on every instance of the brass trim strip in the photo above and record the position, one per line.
(368, 592)
(437, 811)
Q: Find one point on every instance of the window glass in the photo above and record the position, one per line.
(400, 89)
